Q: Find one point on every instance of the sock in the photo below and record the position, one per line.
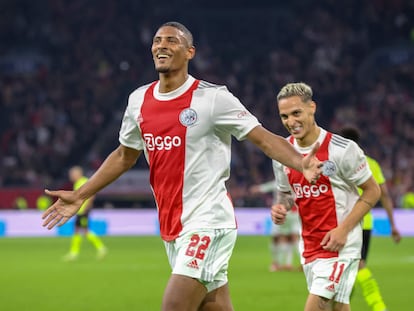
(370, 290)
(75, 244)
(95, 240)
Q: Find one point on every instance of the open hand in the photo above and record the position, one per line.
(62, 210)
(312, 167)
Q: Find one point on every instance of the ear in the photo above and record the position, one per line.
(191, 52)
(313, 105)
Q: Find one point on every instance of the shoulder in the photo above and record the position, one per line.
(376, 170)
(140, 91)
(345, 147)
(205, 87)
(202, 85)
(373, 163)
(342, 142)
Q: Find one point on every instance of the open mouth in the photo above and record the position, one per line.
(162, 56)
(295, 130)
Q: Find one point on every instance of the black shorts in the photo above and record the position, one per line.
(366, 238)
(81, 221)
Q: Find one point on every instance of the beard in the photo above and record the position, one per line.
(162, 69)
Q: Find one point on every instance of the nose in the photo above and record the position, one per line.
(290, 121)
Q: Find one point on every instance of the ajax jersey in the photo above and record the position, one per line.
(324, 205)
(186, 139)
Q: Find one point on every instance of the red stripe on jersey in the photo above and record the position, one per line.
(317, 207)
(165, 140)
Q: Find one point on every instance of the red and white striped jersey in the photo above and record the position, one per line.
(186, 138)
(327, 203)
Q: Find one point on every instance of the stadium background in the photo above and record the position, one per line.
(66, 69)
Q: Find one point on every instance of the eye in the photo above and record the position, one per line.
(173, 40)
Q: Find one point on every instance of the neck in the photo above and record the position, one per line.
(170, 81)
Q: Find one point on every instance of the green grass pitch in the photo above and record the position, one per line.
(133, 275)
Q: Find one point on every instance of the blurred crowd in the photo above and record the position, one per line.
(67, 68)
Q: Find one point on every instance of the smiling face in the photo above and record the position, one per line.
(298, 117)
(171, 50)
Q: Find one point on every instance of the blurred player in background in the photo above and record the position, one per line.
(77, 177)
(330, 210)
(283, 238)
(365, 279)
(185, 126)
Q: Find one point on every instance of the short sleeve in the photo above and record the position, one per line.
(281, 179)
(230, 115)
(130, 133)
(354, 166)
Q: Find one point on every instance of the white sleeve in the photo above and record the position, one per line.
(231, 116)
(353, 165)
(130, 133)
(281, 179)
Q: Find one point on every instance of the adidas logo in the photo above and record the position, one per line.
(193, 264)
(331, 287)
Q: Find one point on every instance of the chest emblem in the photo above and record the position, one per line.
(188, 117)
(329, 168)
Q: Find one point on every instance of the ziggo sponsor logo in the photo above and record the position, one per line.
(309, 191)
(161, 143)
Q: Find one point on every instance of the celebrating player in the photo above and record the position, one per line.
(331, 209)
(184, 127)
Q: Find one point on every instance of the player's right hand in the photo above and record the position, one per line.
(62, 210)
(312, 166)
(278, 213)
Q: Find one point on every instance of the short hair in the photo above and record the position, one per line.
(300, 89)
(187, 33)
(351, 133)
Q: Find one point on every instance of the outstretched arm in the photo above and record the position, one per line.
(69, 202)
(277, 148)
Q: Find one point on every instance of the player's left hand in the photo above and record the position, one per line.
(312, 167)
(334, 240)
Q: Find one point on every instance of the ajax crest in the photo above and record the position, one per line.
(188, 117)
(329, 168)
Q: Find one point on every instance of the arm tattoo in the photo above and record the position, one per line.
(285, 198)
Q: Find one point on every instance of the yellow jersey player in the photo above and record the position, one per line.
(365, 279)
(77, 177)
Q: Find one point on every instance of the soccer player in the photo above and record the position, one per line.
(365, 279)
(77, 177)
(331, 209)
(284, 237)
(184, 127)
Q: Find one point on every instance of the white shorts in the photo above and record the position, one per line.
(203, 255)
(332, 278)
(291, 225)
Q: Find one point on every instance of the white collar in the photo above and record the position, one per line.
(175, 93)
